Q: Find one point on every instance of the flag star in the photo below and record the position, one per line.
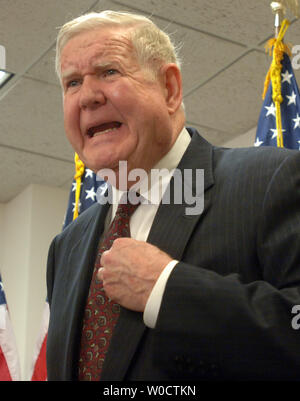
(79, 206)
(286, 77)
(297, 121)
(271, 110)
(90, 194)
(258, 142)
(275, 132)
(88, 173)
(292, 98)
(74, 185)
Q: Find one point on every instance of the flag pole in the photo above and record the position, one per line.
(278, 8)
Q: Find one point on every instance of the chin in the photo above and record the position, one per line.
(97, 165)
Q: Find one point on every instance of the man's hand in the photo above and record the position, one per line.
(129, 271)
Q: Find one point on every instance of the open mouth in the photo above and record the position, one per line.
(103, 128)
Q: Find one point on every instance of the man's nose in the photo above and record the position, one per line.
(91, 94)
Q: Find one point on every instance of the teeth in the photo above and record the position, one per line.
(104, 132)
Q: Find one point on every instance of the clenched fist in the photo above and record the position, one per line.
(129, 271)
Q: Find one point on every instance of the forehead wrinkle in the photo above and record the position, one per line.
(120, 46)
(119, 41)
(115, 51)
(115, 48)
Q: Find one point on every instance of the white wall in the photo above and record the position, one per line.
(2, 208)
(28, 223)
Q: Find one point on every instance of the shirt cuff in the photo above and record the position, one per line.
(154, 301)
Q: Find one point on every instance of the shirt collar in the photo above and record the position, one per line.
(154, 186)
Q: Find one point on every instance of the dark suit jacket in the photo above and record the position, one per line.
(226, 311)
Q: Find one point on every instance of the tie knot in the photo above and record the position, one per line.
(128, 204)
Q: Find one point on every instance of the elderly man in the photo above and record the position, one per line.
(145, 290)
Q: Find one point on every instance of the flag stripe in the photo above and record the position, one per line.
(9, 358)
(40, 369)
(4, 371)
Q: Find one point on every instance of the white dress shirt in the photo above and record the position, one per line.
(151, 190)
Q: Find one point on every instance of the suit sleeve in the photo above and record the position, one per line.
(50, 271)
(214, 326)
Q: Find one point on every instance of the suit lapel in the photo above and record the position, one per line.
(76, 281)
(173, 223)
(171, 230)
(129, 330)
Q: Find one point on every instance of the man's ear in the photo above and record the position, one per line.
(171, 77)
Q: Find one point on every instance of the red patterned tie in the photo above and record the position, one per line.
(101, 313)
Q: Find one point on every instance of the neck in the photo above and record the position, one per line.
(126, 176)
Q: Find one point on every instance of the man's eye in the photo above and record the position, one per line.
(72, 83)
(110, 72)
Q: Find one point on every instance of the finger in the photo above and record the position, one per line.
(123, 242)
(104, 257)
(100, 273)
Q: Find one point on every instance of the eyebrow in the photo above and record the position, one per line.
(68, 73)
(105, 64)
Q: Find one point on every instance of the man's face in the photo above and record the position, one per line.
(113, 108)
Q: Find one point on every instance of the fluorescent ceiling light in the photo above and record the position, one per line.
(5, 76)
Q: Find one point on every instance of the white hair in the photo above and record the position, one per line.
(153, 46)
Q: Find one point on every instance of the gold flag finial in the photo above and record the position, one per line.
(280, 7)
(279, 10)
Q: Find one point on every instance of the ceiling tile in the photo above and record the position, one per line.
(28, 28)
(22, 168)
(44, 69)
(231, 102)
(214, 136)
(246, 22)
(202, 55)
(241, 141)
(31, 119)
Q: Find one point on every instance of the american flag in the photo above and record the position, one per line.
(91, 188)
(9, 358)
(266, 134)
(39, 368)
